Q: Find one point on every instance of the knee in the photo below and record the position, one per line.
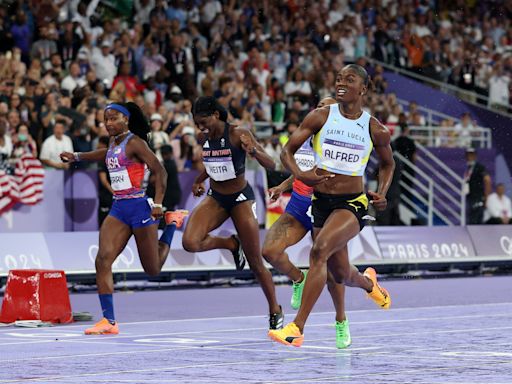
(338, 277)
(271, 254)
(103, 261)
(319, 252)
(190, 244)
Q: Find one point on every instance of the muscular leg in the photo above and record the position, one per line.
(344, 272)
(114, 236)
(248, 231)
(152, 253)
(339, 228)
(337, 292)
(285, 232)
(206, 217)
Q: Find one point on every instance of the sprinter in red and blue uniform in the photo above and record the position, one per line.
(128, 158)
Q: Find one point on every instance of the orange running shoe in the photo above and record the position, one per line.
(176, 217)
(289, 335)
(378, 294)
(103, 327)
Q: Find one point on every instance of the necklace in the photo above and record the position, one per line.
(120, 135)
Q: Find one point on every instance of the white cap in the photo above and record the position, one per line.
(175, 89)
(188, 131)
(82, 55)
(156, 116)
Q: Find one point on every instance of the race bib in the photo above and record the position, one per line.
(220, 168)
(305, 160)
(342, 156)
(120, 180)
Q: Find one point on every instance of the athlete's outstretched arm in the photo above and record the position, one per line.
(97, 155)
(382, 141)
(312, 123)
(255, 149)
(276, 191)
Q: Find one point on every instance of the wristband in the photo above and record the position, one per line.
(157, 205)
(76, 156)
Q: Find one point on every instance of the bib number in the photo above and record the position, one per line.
(120, 180)
(305, 161)
(220, 169)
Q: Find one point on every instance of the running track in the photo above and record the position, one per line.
(452, 330)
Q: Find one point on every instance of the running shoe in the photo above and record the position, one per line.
(343, 339)
(276, 320)
(378, 294)
(176, 217)
(289, 335)
(297, 291)
(103, 327)
(239, 255)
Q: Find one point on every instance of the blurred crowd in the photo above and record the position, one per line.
(268, 62)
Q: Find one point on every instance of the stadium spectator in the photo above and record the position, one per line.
(74, 79)
(406, 146)
(498, 207)
(23, 143)
(157, 137)
(104, 64)
(499, 93)
(477, 187)
(5, 144)
(465, 130)
(54, 145)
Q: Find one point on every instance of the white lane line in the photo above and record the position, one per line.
(100, 340)
(258, 342)
(3, 330)
(41, 332)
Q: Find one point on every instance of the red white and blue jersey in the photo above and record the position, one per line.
(126, 176)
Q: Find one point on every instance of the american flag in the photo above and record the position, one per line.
(25, 186)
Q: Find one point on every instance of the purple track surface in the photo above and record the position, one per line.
(438, 331)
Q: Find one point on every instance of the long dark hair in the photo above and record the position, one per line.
(137, 123)
(207, 105)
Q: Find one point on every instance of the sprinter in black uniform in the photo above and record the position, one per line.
(224, 150)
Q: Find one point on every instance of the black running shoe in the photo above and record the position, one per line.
(239, 255)
(276, 320)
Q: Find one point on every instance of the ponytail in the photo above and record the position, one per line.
(137, 122)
